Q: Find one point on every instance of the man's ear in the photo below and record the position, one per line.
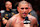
(18, 9)
(5, 5)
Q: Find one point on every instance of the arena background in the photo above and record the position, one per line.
(35, 5)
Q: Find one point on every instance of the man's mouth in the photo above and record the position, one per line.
(24, 13)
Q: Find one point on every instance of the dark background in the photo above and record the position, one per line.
(35, 5)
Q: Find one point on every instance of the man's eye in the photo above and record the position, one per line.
(22, 8)
(26, 8)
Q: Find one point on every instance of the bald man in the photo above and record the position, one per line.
(17, 20)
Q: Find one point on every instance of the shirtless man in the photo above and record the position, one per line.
(17, 20)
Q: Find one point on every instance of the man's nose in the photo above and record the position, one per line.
(24, 10)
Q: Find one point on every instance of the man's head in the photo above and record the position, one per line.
(23, 8)
(8, 4)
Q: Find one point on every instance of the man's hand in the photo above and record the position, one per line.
(4, 21)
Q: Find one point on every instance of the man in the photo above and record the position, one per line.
(8, 13)
(32, 12)
(17, 20)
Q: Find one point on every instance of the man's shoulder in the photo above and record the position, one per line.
(32, 19)
(12, 19)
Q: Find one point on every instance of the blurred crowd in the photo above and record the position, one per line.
(9, 8)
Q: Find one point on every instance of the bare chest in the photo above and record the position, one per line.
(19, 23)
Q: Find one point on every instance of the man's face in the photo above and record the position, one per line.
(9, 5)
(23, 9)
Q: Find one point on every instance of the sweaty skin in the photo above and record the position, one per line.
(17, 21)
